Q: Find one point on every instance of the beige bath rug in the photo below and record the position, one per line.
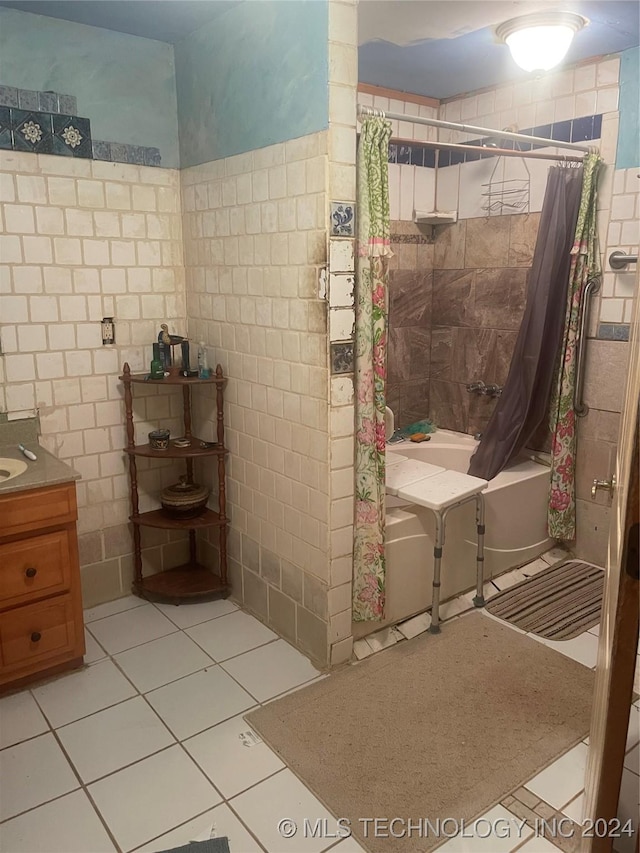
(558, 603)
(442, 726)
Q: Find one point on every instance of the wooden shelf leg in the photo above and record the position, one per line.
(192, 547)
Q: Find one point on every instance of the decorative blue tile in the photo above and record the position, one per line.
(343, 220)
(582, 129)
(101, 150)
(342, 358)
(6, 141)
(68, 105)
(404, 154)
(152, 156)
(543, 130)
(444, 158)
(613, 331)
(119, 152)
(31, 131)
(430, 158)
(135, 155)
(393, 153)
(8, 96)
(471, 156)
(457, 157)
(48, 102)
(597, 127)
(72, 136)
(417, 155)
(28, 100)
(561, 131)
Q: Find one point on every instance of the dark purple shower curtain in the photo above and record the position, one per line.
(524, 404)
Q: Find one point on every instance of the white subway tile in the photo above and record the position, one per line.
(43, 309)
(50, 366)
(607, 100)
(19, 219)
(32, 338)
(31, 188)
(27, 279)
(7, 187)
(37, 250)
(62, 336)
(20, 368)
(611, 310)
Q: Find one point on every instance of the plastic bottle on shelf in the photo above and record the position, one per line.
(203, 362)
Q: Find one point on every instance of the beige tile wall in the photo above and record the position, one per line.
(255, 242)
(83, 240)
(343, 78)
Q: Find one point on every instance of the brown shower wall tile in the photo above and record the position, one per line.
(522, 239)
(449, 248)
(487, 242)
(410, 298)
(500, 296)
(455, 308)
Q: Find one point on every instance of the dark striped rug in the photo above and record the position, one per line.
(558, 603)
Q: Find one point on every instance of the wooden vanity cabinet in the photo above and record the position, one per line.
(41, 622)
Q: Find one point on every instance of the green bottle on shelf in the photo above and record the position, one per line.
(157, 370)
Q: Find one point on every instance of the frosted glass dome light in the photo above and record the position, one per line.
(539, 42)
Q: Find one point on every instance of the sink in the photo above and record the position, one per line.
(10, 468)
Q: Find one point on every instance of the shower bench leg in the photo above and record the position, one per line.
(480, 528)
(434, 628)
(438, 547)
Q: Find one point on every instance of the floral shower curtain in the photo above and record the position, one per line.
(373, 248)
(584, 265)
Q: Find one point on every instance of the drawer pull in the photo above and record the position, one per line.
(31, 573)
(36, 637)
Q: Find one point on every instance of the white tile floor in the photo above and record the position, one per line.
(146, 748)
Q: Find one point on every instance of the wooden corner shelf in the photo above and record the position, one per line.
(172, 452)
(191, 581)
(158, 518)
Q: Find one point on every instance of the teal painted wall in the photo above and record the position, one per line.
(628, 153)
(124, 84)
(255, 76)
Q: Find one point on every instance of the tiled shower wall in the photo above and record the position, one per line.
(84, 240)
(456, 305)
(255, 240)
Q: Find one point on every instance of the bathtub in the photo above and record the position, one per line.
(516, 527)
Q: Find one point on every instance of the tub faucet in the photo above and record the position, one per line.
(492, 390)
(479, 387)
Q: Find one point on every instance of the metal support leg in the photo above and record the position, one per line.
(437, 559)
(479, 597)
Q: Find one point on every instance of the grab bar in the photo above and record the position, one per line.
(618, 260)
(592, 286)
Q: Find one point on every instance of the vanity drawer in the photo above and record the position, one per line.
(23, 512)
(33, 567)
(35, 633)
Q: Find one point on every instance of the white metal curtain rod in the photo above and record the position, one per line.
(364, 111)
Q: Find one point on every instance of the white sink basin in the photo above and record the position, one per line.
(10, 468)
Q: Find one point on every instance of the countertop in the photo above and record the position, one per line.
(45, 471)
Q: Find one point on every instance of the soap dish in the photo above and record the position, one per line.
(182, 442)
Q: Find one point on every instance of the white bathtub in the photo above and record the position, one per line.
(516, 527)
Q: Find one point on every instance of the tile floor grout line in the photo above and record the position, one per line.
(85, 789)
(138, 645)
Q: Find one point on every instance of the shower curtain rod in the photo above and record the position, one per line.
(364, 111)
(488, 151)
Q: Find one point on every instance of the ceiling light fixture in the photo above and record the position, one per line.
(540, 41)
